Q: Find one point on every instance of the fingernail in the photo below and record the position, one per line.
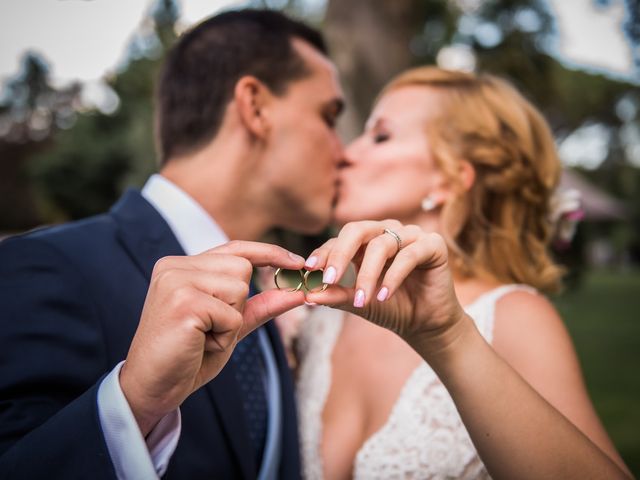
(311, 262)
(382, 294)
(358, 301)
(329, 275)
(295, 257)
(310, 304)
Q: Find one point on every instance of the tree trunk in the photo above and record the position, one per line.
(370, 42)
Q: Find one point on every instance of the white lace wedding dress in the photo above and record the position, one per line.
(423, 438)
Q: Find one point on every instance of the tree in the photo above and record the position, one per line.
(90, 165)
(30, 109)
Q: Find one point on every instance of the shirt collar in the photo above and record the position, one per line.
(194, 228)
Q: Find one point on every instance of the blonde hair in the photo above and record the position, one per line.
(500, 227)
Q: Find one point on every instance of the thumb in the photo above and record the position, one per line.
(266, 305)
(337, 296)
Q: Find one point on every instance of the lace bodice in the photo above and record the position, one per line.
(423, 438)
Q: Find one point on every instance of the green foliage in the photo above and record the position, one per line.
(602, 317)
(91, 164)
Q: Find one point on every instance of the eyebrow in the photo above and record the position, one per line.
(379, 122)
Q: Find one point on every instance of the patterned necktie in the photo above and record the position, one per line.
(251, 375)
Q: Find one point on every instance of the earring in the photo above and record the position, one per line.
(429, 203)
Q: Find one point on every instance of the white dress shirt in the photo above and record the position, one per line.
(134, 457)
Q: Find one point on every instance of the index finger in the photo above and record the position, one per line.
(261, 254)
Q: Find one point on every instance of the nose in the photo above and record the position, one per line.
(338, 150)
(350, 153)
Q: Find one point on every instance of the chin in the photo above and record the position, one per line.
(342, 214)
(312, 223)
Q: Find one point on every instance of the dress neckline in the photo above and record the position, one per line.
(423, 367)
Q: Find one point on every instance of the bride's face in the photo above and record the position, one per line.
(390, 169)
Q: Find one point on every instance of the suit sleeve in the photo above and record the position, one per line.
(52, 359)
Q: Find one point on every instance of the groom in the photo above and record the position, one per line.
(246, 108)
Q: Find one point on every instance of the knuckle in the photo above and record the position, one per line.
(181, 297)
(379, 243)
(366, 277)
(415, 229)
(162, 277)
(349, 229)
(242, 290)
(392, 222)
(245, 268)
(237, 320)
(411, 255)
(337, 255)
(162, 264)
(436, 239)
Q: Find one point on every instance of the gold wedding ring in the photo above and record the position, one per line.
(298, 287)
(305, 279)
(395, 236)
(304, 282)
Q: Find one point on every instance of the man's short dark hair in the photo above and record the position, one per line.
(201, 70)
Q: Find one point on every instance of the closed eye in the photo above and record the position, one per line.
(330, 120)
(380, 137)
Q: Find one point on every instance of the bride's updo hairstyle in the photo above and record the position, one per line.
(500, 227)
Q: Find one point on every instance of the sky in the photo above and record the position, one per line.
(81, 39)
(86, 39)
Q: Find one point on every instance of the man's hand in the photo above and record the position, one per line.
(195, 312)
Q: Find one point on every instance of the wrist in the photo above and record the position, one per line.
(442, 346)
(146, 418)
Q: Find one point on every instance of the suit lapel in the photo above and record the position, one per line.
(143, 232)
(147, 237)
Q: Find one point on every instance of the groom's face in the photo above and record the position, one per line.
(305, 146)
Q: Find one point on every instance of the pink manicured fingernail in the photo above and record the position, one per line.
(358, 300)
(329, 275)
(295, 257)
(311, 262)
(382, 294)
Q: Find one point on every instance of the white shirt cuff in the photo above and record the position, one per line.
(131, 455)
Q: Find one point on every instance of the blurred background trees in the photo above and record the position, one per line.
(62, 157)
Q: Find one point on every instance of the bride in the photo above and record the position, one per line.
(467, 157)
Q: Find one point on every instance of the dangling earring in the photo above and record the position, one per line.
(429, 203)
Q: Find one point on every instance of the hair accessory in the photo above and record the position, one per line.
(565, 214)
(395, 236)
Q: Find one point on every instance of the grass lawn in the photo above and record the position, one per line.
(603, 316)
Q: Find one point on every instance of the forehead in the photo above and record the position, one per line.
(324, 79)
(407, 104)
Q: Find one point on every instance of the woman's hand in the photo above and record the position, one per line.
(403, 281)
(410, 290)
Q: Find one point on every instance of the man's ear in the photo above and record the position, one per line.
(252, 98)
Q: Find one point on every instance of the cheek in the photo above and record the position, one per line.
(383, 187)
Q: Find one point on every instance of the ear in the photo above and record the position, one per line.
(466, 174)
(252, 98)
(444, 190)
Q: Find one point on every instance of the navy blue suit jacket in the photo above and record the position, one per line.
(70, 301)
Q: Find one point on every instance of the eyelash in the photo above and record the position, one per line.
(330, 121)
(380, 137)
